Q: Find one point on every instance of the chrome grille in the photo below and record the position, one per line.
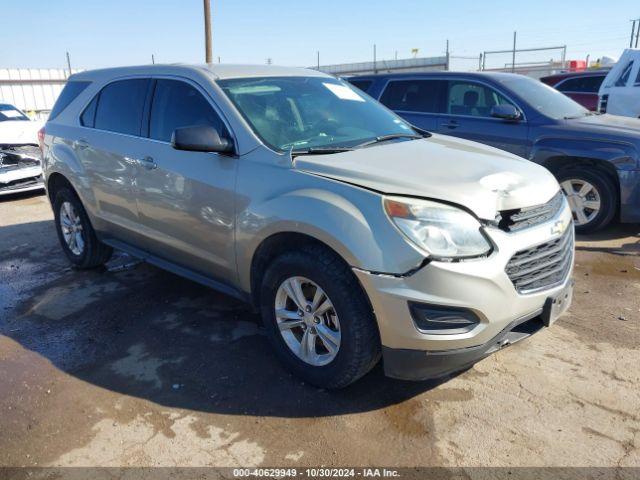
(543, 266)
(514, 220)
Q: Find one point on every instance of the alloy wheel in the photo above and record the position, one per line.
(71, 226)
(307, 321)
(584, 200)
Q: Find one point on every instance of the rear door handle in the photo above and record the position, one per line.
(81, 144)
(452, 124)
(148, 162)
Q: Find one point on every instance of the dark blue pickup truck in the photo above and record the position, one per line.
(596, 158)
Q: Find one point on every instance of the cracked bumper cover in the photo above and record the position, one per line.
(481, 286)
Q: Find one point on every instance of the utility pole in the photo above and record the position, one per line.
(447, 57)
(69, 63)
(207, 31)
(375, 69)
(513, 58)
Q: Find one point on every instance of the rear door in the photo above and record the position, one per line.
(467, 114)
(419, 101)
(186, 200)
(108, 146)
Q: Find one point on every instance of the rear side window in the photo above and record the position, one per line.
(361, 84)
(68, 94)
(473, 99)
(177, 104)
(415, 95)
(119, 106)
(582, 84)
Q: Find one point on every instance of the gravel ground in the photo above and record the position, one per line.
(138, 367)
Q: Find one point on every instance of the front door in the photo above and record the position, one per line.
(185, 199)
(467, 114)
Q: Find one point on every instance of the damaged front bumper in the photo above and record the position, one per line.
(20, 169)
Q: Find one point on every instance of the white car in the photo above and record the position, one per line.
(620, 91)
(20, 166)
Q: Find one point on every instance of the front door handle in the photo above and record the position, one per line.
(452, 124)
(148, 162)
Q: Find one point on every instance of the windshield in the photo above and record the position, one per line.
(293, 113)
(9, 112)
(546, 100)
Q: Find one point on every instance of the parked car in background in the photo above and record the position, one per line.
(594, 157)
(620, 90)
(581, 87)
(20, 168)
(339, 222)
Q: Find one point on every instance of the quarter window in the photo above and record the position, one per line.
(473, 99)
(69, 93)
(414, 95)
(119, 106)
(177, 104)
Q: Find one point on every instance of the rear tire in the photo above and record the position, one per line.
(77, 237)
(592, 196)
(351, 320)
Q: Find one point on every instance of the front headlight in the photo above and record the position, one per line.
(443, 231)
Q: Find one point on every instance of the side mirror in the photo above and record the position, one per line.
(505, 112)
(200, 138)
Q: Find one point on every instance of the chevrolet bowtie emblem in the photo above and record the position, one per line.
(558, 227)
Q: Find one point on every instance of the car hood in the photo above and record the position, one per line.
(19, 132)
(483, 179)
(614, 125)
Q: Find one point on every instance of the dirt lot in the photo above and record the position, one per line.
(138, 367)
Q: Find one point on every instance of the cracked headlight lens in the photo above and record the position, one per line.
(443, 231)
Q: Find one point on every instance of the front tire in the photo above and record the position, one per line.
(592, 197)
(77, 237)
(318, 318)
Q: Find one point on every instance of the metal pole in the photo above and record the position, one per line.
(513, 60)
(375, 70)
(637, 33)
(207, 31)
(480, 62)
(446, 67)
(396, 54)
(318, 59)
(153, 59)
(564, 55)
(69, 63)
(633, 31)
(484, 60)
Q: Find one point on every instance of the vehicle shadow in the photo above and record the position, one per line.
(144, 332)
(618, 239)
(11, 197)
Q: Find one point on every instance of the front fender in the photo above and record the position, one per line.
(622, 155)
(349, 220)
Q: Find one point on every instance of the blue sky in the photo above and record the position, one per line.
(36, 33)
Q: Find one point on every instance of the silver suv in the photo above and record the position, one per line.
(354, 234)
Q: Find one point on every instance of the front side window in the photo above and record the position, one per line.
(624, 77)
(541, 97)
(11, 113)
(177, 104)
(305, 112)
(473, 99)
(120, 105)
(414, 95)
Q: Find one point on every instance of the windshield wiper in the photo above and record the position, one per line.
(319, 150)
(391, 136)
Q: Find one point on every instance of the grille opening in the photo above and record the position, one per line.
(521, 218)
(542, 266)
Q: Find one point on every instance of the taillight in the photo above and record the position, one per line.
(41, 139)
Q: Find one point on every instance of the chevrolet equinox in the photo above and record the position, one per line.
(355, 235)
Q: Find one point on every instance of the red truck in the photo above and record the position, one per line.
(582, 87)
